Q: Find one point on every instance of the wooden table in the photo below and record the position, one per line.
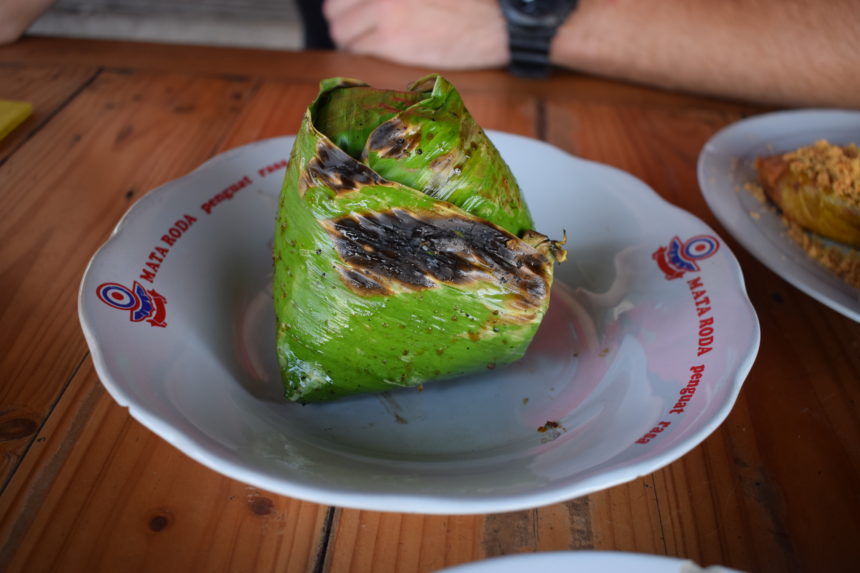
(85, 487)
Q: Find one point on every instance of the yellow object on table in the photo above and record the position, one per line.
(12, 114)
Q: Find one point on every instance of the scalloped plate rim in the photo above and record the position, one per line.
(417, 503)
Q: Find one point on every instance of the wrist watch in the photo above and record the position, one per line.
(532, 25)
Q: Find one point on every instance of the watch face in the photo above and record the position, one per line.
(537, 12)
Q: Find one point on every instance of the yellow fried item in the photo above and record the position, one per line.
(12, 114)
(817, 187)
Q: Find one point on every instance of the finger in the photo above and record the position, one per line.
(358, 21)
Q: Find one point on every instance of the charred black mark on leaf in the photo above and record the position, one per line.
(393, 139)
(362, 284)
(419, 252)
(335, 169)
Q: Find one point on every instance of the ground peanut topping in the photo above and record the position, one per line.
(829, 167)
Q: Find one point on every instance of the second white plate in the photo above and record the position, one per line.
(726, 166)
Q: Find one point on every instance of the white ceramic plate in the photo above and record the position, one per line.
(726, 165)
(631, 369)
(585, 562)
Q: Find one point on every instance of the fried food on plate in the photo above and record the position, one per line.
(817, 187)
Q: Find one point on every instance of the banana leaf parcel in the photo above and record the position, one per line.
(404, 251)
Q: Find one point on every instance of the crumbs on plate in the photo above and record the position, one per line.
(844, 262)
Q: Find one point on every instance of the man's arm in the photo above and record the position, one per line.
(788, 52)
(441, 34)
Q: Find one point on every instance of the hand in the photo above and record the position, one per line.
(440, 34)
(17, 15)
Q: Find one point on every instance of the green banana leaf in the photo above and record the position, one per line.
(404, 251)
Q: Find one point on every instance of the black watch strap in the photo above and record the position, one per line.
(529, 47)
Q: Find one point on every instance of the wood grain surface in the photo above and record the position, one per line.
(85, 487)
(46, 88)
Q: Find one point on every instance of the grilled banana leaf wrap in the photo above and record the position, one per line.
(404, 251)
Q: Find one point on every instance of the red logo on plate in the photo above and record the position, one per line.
(680, 257)
(141, 304)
